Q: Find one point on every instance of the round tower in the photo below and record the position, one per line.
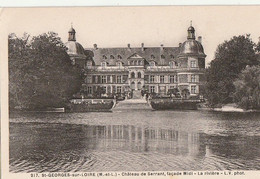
(75, 49)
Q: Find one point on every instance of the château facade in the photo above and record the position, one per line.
(133, 69)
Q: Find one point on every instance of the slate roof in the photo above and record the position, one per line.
(170, 54)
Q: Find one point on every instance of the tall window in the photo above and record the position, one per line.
(118, 89)
(151, 78)
(133, 75)
(172, 79)
(89, 79)
(103, 79)
(152, 89)
(152, 64)
(193, 78)
(139, 75)
(89, 90)
(161, 79)
(193, 64)
(193, 90)
(105, 89)
(119, 79)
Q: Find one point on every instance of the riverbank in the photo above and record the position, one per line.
(227, 108)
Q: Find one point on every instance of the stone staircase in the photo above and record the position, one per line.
(137, 94)
(137, 104)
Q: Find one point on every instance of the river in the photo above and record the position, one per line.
(134, 140)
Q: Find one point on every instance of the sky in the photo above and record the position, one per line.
(153, 26)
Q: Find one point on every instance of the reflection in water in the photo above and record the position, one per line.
(41, 144)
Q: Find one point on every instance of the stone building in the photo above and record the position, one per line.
(132, 69)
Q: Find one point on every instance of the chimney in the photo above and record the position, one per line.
(161, 47)
(142, 45)
(180, 44)
(128, 45)
(95, 46)
(200, 39)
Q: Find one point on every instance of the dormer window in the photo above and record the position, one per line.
(171, 56)
(152, 57)
(171, 64)
(162, 57)
(112, 57)
(119, 57)
(119, 64)
(103, 64)
(152, 64)
(104, 57)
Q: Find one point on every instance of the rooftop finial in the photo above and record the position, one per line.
(71, 24)
(191, 23)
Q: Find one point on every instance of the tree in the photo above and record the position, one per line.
(231, 57)
(247, 88)
(173, 92)
(40, 72)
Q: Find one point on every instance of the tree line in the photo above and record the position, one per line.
(40, 72)
(234, 75)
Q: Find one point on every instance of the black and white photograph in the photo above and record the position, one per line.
(123, 90)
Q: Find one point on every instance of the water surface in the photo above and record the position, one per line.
(134, 140)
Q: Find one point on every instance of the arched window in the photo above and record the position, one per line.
(112, 57)
(162, 57)
(139, 85)
(132, 86)
(104, 57)
(152, 57)
(133, 75)
(139, 75)
(172, 56)
(119, 56)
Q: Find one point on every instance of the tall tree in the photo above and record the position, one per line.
(40, 72)
(247, 93)
(231, 57)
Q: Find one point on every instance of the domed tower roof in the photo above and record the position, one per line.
(74, 48)
(191, 46)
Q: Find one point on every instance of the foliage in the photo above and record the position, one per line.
(173, 92)
(231, 57)
(40, 72)
(247, 93)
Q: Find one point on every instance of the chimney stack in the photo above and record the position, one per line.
(180, 44)
(128, 45)
(200, 39)
(95, 46)
(142, 45)
(161, 47)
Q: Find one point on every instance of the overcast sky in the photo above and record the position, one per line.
(118, 26)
